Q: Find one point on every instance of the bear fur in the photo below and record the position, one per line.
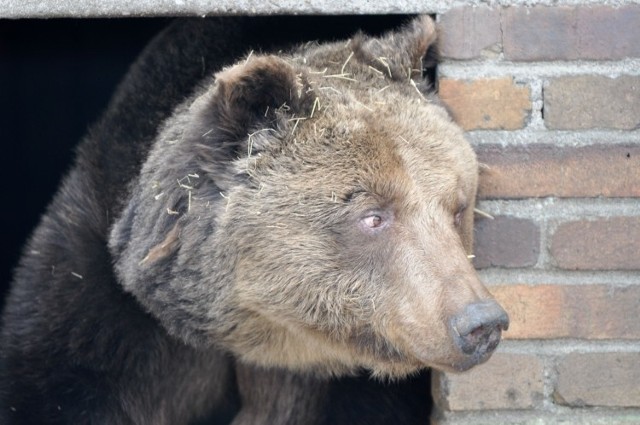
(239, 232)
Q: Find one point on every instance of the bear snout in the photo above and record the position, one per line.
(477, 330)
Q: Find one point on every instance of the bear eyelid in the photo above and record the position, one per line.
(354, 194)
(375, 220)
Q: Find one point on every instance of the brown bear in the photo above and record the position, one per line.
(232, 241)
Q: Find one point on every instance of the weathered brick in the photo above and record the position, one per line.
(592, 101)
(506, 381)
(486, 103)
(569, 33)
(607, 33)
(470, 32)
(548, 170)
(599, 379)
(537, 33)
(570, 311)
(506, 242)
(603, 244)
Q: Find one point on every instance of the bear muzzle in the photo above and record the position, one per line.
(476, 331)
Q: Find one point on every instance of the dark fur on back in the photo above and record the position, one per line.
(76, 348)
(72, 340)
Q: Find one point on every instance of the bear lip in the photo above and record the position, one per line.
(468, 362)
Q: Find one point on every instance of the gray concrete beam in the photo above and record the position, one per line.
(127, 8)
(131, 8)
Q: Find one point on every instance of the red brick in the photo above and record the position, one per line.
(548, 170)
(506, 381)
(596, 312)
(591, 101)
(602, 244)
(537, 33)
(470, 32)
(569, 33)
(506, 242)
(606, 33)
(599, 379)
(486, 103)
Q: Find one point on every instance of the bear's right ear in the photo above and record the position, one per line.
(257, 94)
(403, 53)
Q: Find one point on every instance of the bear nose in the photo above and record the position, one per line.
(478, 328)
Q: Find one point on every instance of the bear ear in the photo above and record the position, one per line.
(403, 53)
(254, 95)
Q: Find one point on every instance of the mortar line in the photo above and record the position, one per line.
(563, 209)
(554, 414)
(537, 277)
(556, 348)
(560, 138)
(527, 71)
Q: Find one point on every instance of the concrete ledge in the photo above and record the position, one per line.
(138, 8)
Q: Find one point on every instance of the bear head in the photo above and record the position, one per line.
(313, 210)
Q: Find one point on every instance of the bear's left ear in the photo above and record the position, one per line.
(400, 54)
(258, 94)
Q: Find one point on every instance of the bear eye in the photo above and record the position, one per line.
(457, 218)
(373, 221)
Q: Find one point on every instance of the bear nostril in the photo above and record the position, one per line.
(479, 327)
(483, 338)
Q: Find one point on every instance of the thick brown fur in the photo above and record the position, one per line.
(304, 215)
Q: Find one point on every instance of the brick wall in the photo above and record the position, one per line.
(550, 97)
